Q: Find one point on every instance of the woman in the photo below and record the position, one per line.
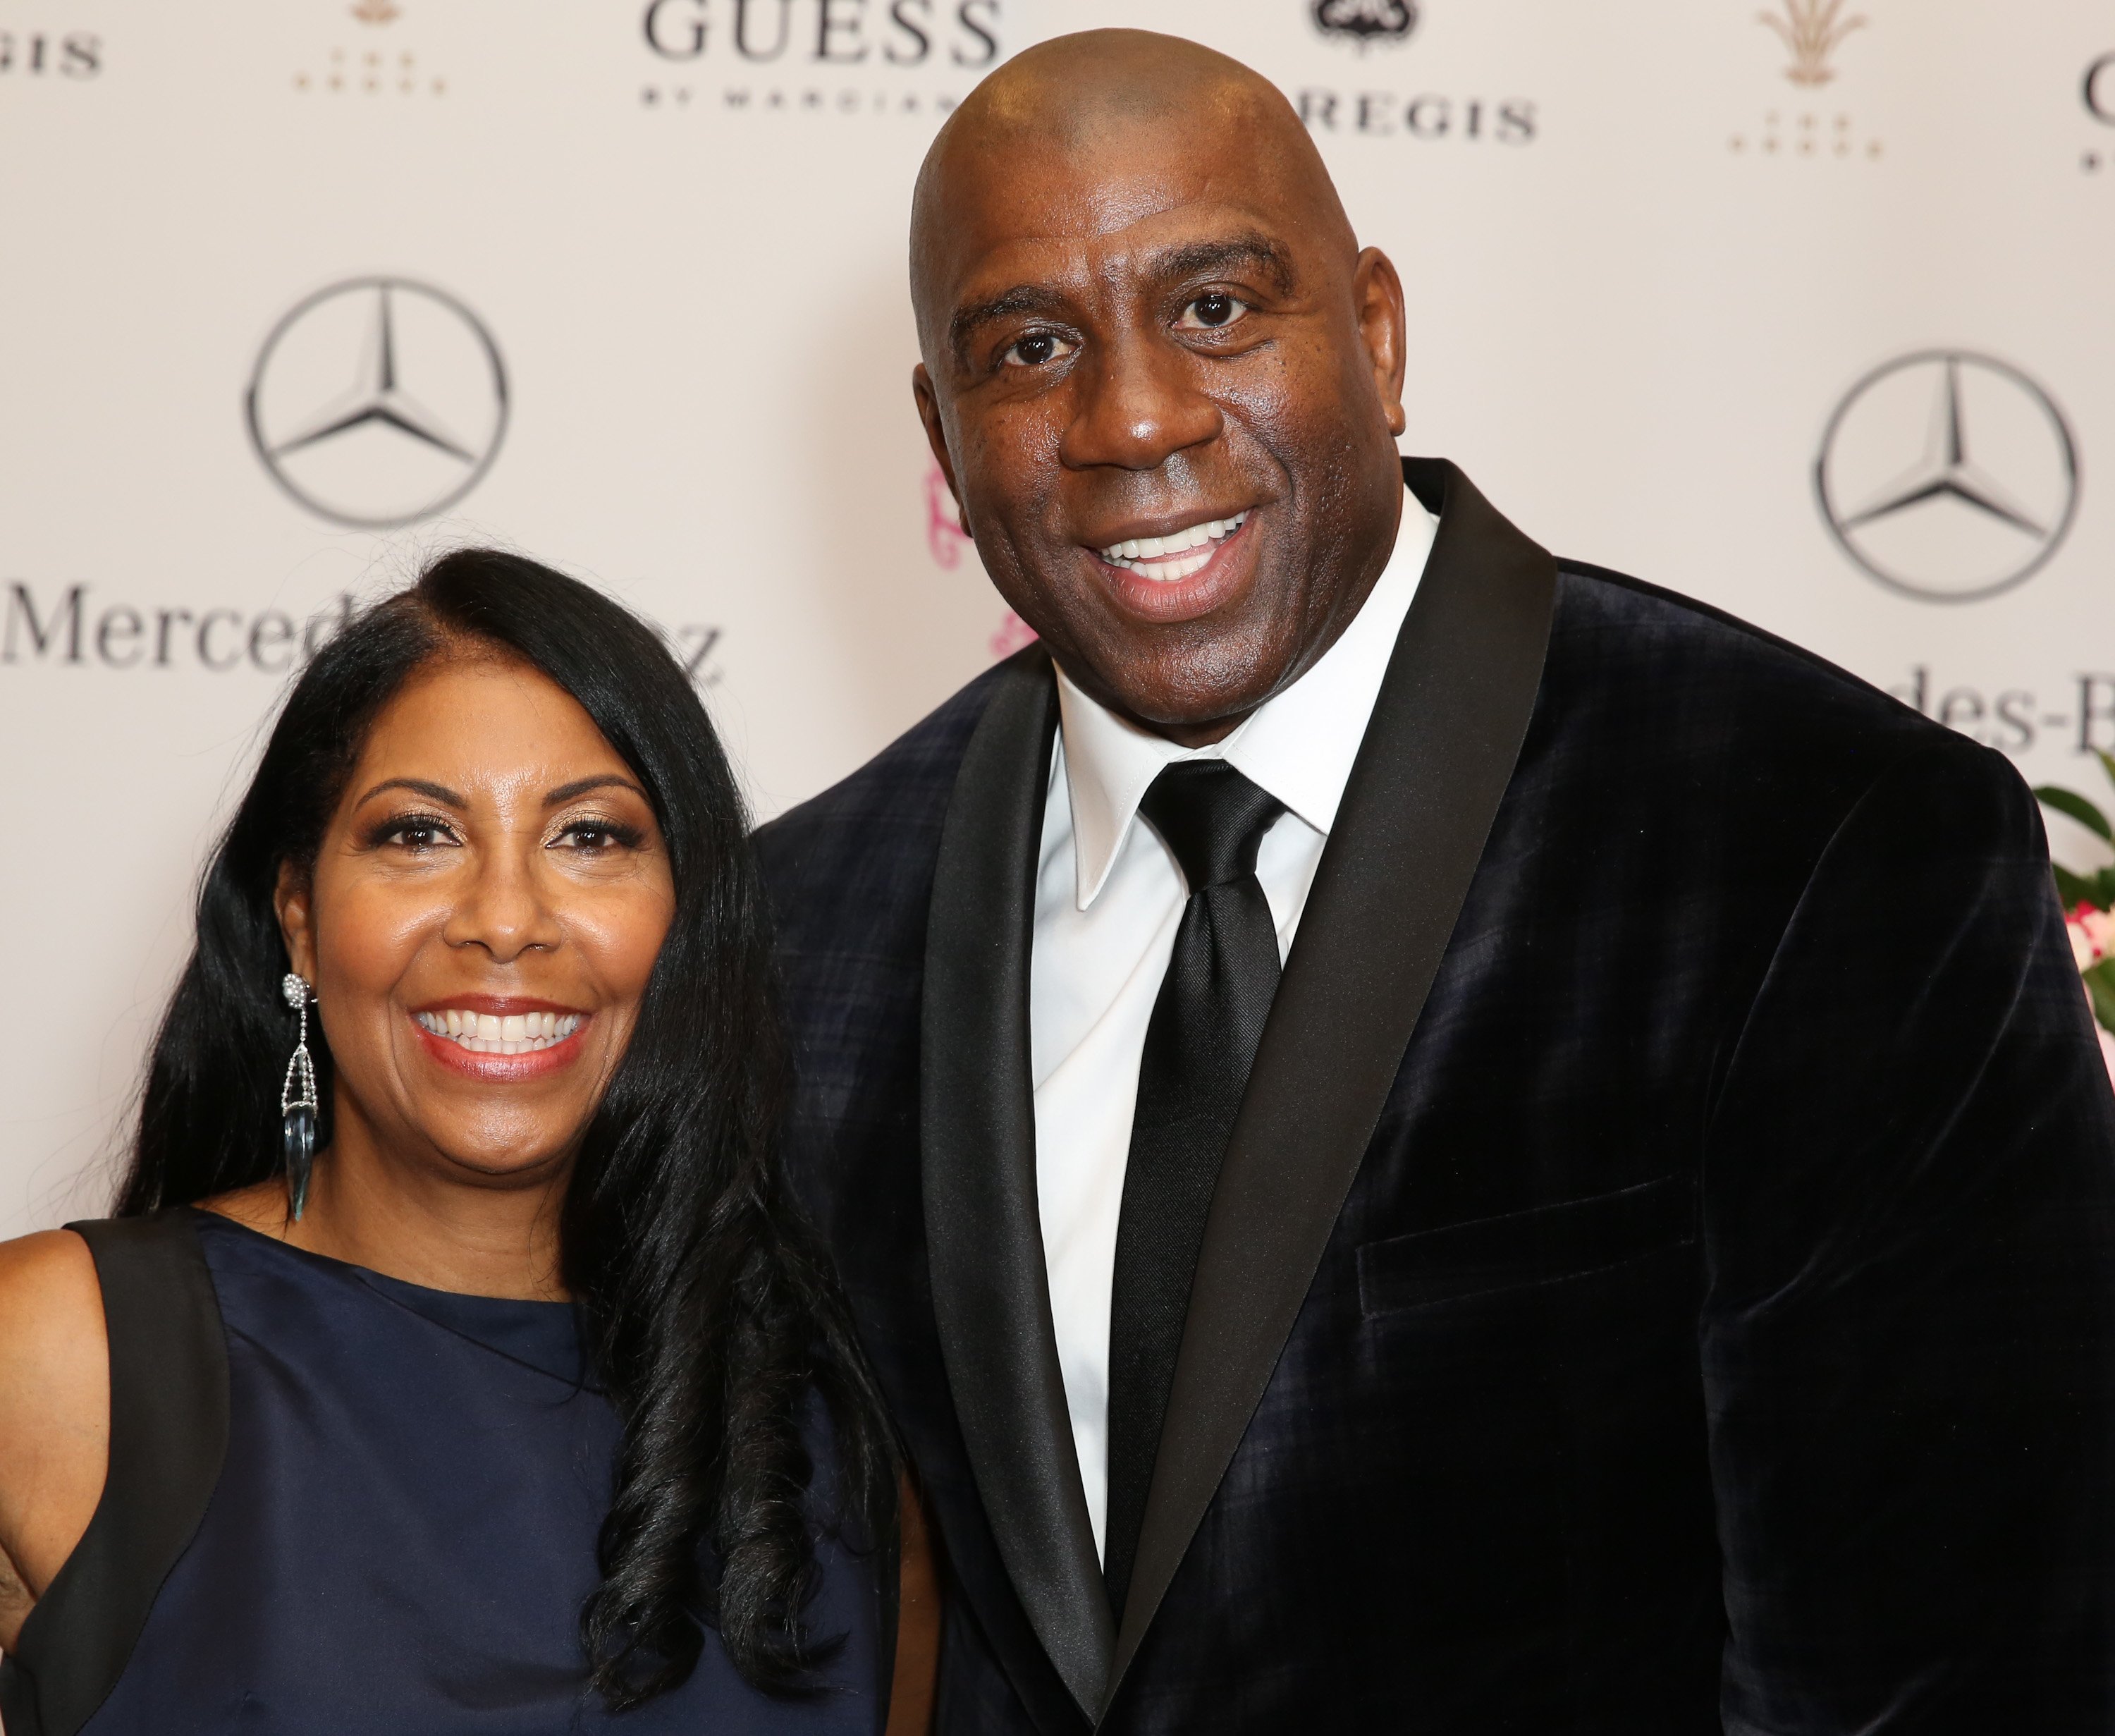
(455, 1361)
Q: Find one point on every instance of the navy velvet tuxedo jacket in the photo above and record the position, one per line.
(1662, 1277)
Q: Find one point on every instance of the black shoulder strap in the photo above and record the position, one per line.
(168, 1435)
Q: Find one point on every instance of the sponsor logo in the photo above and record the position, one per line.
(2015, 720)
(945, 537)
(68, 629)
(371, 65)
(72, 628)
(1365, 22)
(1426, 117)
(2097, 90)
(73, 54)
(1381, 114)
(378, 402)
(1810, 32)
(1947, 476)
(841, 57)
(1011, 634)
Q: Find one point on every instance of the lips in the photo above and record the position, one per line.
(500, 1039)
(1181, 573)
(1176, 555)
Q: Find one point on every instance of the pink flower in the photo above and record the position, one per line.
(2092, 935)
(2083, 952)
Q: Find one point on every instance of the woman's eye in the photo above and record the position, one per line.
(418, 834)
(594, 836)
(1037, 349)
(1212, 311)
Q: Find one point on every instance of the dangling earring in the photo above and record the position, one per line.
(297, 1099)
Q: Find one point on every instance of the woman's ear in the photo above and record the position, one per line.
(290, 899)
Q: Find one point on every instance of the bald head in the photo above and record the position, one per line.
(1159, 375)
(1113, 95)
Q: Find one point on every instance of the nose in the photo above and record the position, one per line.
(1137, 405)
(504, 910)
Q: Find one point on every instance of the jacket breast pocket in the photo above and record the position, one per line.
(1545, 1245)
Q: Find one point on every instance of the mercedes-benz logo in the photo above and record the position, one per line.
(378, 402)
(1949, 475)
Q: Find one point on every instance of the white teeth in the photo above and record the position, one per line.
(1168, 572)
(1159, 549)
(517, 1034)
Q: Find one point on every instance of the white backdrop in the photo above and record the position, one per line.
(641, 269)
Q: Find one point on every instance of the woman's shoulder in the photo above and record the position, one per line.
(54, 1411)
(54, 1358)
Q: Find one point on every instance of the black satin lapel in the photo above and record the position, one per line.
(990, 1291)
(1437, 757)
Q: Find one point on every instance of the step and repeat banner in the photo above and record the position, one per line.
(1798, 306)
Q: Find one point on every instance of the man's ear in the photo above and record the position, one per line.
(936, 437)
(290, 900)
(1377, 296)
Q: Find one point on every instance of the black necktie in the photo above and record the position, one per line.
(1198, 1047)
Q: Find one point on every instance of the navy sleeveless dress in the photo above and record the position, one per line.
(397, 1537)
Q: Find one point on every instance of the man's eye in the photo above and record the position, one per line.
(1037, 349)
(1210, 311)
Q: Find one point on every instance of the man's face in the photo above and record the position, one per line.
(1165, 390)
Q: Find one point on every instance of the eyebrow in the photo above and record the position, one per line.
(439, 793)
(1191, 260)
(565, 793)
(1023, 298)
(1212, 258)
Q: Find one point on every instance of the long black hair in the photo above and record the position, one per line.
(711, 1310)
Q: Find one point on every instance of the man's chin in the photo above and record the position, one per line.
(1192, 700)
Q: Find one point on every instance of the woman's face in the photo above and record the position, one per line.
(484, 911)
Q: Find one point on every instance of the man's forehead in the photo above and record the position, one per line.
(1146, 236)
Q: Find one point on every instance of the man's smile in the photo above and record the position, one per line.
(1183, 572)
(1175, 555)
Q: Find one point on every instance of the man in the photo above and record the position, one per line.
(1424, 1138)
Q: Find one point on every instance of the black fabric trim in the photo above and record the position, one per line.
(1438, 755)
(168, 1436)
(991, 1293)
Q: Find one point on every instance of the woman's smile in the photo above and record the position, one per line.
(501, 1039)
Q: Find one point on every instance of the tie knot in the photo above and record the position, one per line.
(1212, 817)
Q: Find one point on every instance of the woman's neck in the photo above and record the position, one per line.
(475, 1236)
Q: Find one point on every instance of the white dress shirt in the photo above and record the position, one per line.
(1108, 898)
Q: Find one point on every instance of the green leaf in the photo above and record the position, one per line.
(2073, 889)
(2068, 801)
(2106, 762)
(2103, 893)
(2100, 984)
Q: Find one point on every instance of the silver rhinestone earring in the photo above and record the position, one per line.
(297, 1099)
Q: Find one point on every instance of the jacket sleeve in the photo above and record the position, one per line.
(1908, 1333)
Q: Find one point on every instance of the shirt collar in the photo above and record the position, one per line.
(1299, 745)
